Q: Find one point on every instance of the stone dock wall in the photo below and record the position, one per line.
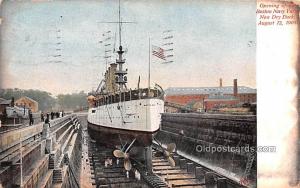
(51, 154)
(199, 135)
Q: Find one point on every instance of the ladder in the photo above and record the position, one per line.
(249, 164)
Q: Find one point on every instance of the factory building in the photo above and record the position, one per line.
(210, 97)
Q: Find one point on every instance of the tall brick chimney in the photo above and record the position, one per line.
(235, 88)
(221, 84)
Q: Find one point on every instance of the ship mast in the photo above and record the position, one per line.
(120, 36)
(121, 79)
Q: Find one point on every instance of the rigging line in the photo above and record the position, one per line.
(120, 22)
(108, 113)
(115, 40)
(119, 108)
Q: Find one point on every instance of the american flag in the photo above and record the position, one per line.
(158, 52)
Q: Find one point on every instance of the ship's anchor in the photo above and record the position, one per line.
(120, 154)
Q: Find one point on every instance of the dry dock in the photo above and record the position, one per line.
(63, 155)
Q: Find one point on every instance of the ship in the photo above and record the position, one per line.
(119, 115)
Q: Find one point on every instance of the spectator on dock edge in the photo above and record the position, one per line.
(30, 118)
(42, 117)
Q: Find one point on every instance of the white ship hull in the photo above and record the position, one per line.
(126, 120)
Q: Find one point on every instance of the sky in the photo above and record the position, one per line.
(54, 45)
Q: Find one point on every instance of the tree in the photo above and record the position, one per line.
(72, 101)
(44, 99)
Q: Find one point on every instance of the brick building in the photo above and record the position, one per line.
(219, 101)
(214, 96)
(28, 103)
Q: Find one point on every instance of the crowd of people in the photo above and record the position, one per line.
(51, 115)
(45, 117)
